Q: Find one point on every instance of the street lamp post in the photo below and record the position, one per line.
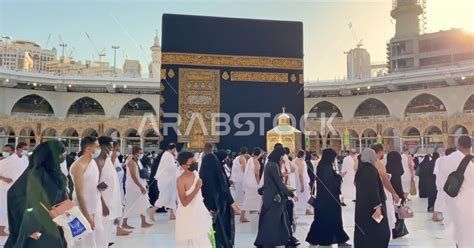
(115, 47)
(62, 45)
(6, 37)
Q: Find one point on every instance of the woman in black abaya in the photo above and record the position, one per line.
(431, 183)
(424, 175)
(43, 181)
(370, 200)
(327, 228)
(273, 223)
(395, 169)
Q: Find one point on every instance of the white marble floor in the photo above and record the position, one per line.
(423, 231)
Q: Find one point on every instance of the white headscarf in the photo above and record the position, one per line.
(368, 156)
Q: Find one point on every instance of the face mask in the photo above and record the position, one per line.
(140, 156)
(109, 154)
(24, 153)
(193, 166)
(96, 153)
(5, 154)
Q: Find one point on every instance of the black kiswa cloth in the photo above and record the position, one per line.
(25, 216)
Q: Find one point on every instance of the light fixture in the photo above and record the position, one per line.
(125, 86)
(34, 84)
(113, 86)
(69, 86)
(358, 89)
(463, 78)
(368, 87)
(6, 80)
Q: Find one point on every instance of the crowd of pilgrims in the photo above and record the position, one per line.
(204, 191)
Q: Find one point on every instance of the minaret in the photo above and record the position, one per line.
(155, 65)
(406, 13)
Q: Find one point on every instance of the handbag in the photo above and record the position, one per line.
(60, 208)
(413, 187)
(312, 198)
(404, 212)
(144, 173)
(456, 178)
(312, 201)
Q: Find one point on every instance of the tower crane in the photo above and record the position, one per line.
(47, 41)
(355, 37)
(99, 53)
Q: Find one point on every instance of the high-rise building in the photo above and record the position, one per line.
(409, 50)
(132, 68)
(13, 55)
(154, 68)
(358, 63)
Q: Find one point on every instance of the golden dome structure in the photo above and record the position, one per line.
(285, 134)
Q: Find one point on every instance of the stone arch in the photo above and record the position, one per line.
(412, 139)
(424, 104)
(49, 133)
(71, 138)
(90, 132)
(433, 139)
(315, 141)
(7, 135)
(391, 139)
(354, 140)
(333, 140)
(85, 106)
(136, 107)
(27, 135)
(368, 137)
(327, 108)
(469, 105)
(113, 133)
(32, 104)
(371, 107)
(455, 132)
(131, 138)
(151, 140)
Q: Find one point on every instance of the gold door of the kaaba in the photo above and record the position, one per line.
(199, 102)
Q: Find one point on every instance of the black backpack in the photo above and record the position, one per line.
(455, 179)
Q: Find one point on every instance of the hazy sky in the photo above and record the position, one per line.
(131, 25)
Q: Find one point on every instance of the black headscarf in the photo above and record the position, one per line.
(47, 157)
(328, 157)
(221, 155)
(394, 164)
(276, 155)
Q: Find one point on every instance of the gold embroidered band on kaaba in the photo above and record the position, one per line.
(246, 76)
(231, 61)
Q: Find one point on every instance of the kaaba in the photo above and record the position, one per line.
(246, 68)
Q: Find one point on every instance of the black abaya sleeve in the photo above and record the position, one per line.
(208, 178)
(275, 176)
(368, 182)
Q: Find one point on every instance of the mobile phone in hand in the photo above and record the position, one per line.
(378, 220)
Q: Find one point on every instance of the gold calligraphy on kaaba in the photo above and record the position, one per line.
(231, 61)
(199, 98)
(271, 77)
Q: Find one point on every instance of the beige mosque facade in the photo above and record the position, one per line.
(425, 111)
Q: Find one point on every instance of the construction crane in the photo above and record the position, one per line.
(99, 53)
(354, 36)
(47, 41)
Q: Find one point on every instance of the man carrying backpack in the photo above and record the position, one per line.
(459, 219)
